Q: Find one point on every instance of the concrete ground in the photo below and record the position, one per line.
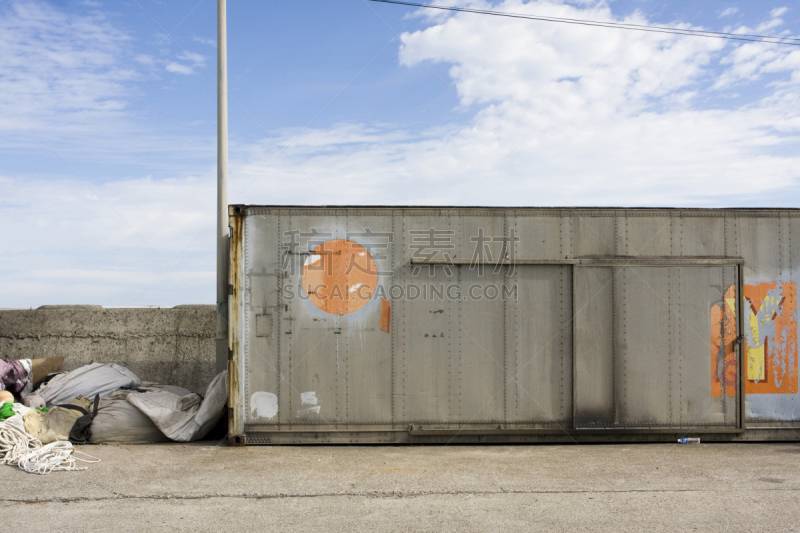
(202, 487)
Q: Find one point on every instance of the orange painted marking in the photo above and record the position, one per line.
(339, 277)
(386, 315)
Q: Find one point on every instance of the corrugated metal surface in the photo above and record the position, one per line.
(632, 298)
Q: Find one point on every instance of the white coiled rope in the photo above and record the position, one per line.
(53, 457)
(14, 442)
(19, 448)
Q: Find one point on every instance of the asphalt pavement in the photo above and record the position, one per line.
(205, 487)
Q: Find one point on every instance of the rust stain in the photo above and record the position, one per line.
(339, 276)
(723, 335)
(234, 263)
(386, 315)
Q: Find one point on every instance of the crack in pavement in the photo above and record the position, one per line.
(370, 494)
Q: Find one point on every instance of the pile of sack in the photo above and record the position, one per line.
(99, 403)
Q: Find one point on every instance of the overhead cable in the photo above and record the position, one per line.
(771, 39)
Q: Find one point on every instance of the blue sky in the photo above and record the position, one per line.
(107, 121)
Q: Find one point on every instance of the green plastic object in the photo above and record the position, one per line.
(6, 410)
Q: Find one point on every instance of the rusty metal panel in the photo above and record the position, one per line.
(310, 357)
(366, 370)
(759, 243)
(638, 356)
(768, 243)
(641, 235)
(236, 330)
(422, 382)
(429, 336)
(665, 330)
(481, 358)
(642, 354)
(472, 234)
(261, 268)
(539, 345)
(771, 245)
(542, 237)
(698, 236)
(338, 367)
(661, 320)
(331, 368)
(694, 291)
(593, 236)
(594, 346)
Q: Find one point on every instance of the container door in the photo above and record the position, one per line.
(656, 347)
(495, 350)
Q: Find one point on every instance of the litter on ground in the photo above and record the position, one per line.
(43, 412)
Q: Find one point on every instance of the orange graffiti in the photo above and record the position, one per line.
(770, 338)
(723, 336)
(339, 276)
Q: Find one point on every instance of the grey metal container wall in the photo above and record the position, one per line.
(513, 324)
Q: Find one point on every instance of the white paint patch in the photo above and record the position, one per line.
(313, 259)
(355, 287)
(310, 410)
(309, 401)
(308, 398)
(264, 405)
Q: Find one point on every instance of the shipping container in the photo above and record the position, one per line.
(440, 325)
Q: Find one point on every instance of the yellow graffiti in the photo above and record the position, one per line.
(755, 364)
(770, 340)
(756, 353)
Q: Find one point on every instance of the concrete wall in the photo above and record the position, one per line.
(172, 346)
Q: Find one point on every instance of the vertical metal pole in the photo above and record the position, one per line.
(222, 188)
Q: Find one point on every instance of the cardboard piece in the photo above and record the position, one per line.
(41, 368)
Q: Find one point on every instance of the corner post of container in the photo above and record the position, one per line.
(236, 408)
(222, 189)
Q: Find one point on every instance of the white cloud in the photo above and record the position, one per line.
(751, 61)
(574, 115)
(178, 68)
(202, 40)
(105, 243)
(196, 60)
(563, 115)
(778, 12)
(71, 81)
(56, 70)
(728, 12)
